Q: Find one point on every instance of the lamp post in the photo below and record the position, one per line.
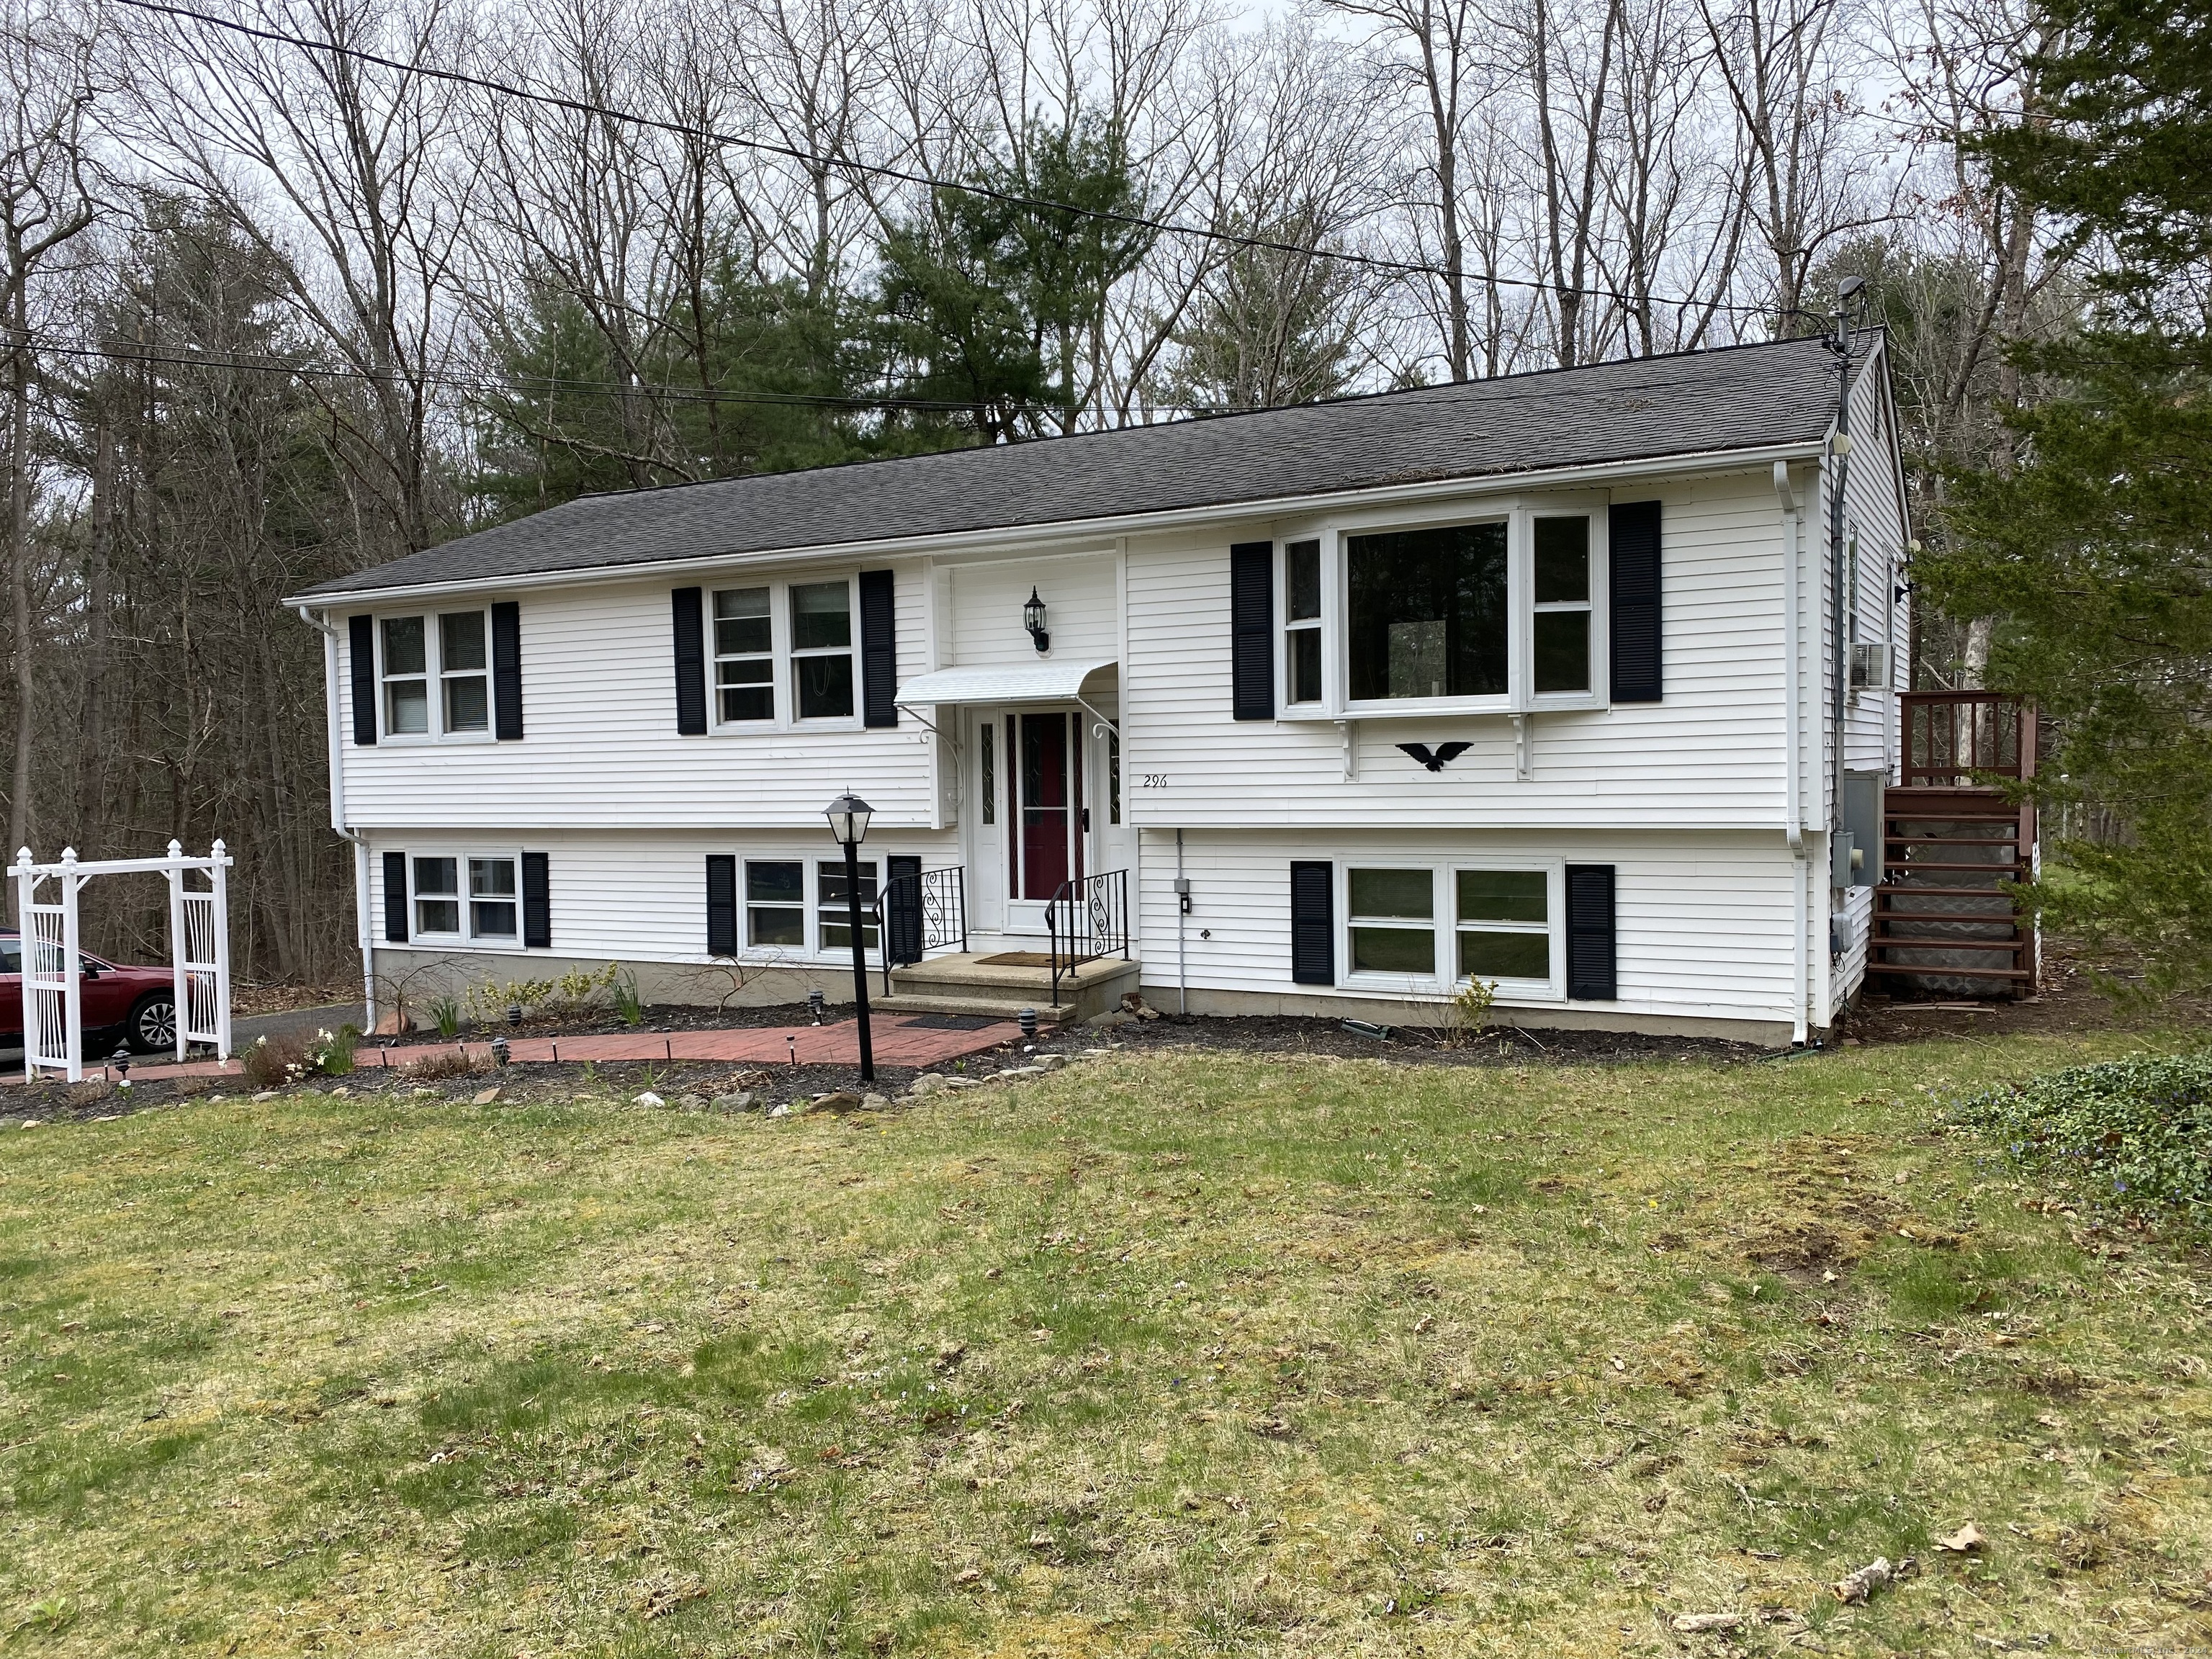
(848, 822)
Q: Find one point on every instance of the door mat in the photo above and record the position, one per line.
(948, 1022)
(1016, 959)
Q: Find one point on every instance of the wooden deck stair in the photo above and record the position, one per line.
(1942, 919)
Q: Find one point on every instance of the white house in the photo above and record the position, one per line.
(1569, 681)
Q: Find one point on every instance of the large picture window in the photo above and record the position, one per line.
(1428, 614)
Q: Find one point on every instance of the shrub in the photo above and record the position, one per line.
(453, 1062)
(272, 1064)
(488, 1003)
(2134, 1133)
(578, 985)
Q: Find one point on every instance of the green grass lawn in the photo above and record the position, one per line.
(1179, 1353)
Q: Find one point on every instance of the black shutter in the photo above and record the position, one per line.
(395, 898)
(1313, 927)
(1590, 975)
(902, 907)
(690, 664)
(879, 650)
(1252, 630)
(506, 672)
(1633, 559)
(360, 654)
(721, 902)
(536, 902)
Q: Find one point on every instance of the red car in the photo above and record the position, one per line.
(136, 1004)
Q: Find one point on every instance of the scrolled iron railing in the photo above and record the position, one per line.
(918, 914)
(1086, 919)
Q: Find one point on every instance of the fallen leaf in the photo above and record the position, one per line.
(1968, 1537)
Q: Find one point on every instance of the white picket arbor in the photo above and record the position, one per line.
(53, 981)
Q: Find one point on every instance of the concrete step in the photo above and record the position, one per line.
(977, 1007)
(975, 984)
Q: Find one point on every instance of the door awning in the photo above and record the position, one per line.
(1027, 682)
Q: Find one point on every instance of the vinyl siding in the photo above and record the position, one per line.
(1711, 754)
(640, 897)
(1702, 921)
(601, 749)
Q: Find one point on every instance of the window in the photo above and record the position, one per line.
(987, 743)
(461, 670)
(834, 905)
(1505, 924)
(406, 685)
(1428, 613)
(822, 649)
(744, 655)
(11, 955)
(437, 895)
(449, 654)
(491, 898)
(775, 903)
(1393, 921)
(1302, 628)
(1561, 656)
(1113, 777)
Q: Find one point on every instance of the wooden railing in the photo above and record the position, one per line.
(1963, 737)
(1087, 920)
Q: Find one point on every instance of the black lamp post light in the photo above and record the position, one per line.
(848, 822)
(1033, 619)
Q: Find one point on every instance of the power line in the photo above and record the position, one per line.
(524, 387)
(1164, 227)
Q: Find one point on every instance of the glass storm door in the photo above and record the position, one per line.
(1047, 777)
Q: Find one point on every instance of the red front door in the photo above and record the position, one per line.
(1047, 782)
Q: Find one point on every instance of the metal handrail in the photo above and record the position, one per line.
(940, 900)
(1087, 919)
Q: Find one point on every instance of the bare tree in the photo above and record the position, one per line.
(46, 199)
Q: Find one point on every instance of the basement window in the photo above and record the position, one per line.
(1393, 921)
(1504, 923)
(776, 903)
(833, 907)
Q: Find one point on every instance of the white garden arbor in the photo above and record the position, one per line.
(53, 981)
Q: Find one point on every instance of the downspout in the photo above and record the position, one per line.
(1793, 827)
(1838, 621)
(336, 737)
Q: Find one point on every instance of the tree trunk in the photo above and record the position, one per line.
(19, 554)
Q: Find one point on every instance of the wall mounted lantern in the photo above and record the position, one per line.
(1033, 619)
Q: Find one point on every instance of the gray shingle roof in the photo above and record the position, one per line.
(1739, 397)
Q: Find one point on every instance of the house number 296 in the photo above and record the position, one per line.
(1151, 779)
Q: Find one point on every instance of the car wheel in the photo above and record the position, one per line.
(152, 1027)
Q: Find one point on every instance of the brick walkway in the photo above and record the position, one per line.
(899, 1040)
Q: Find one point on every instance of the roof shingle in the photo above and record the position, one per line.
(1696, 403)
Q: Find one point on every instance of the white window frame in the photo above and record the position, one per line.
(716, 656)
(785, 676)
(435, 676)
(1445, 977)
(1519, 515)
(466, 939)
(811, 863)
(1291, 626)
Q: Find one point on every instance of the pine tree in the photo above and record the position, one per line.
(2095, 548)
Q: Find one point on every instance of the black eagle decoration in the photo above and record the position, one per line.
(1437, 758)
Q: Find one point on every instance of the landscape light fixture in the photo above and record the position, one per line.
(848, 817)
(1033, 619)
